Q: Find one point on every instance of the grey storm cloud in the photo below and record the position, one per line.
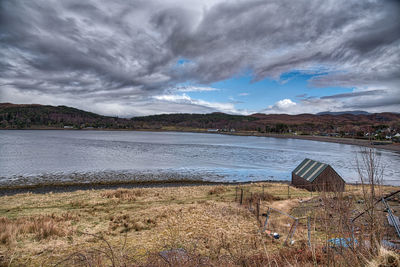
(128, 51)
(355, 94)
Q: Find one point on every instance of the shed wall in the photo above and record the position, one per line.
(328, 180)
(300, 182)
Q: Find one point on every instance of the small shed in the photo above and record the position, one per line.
(317, 176)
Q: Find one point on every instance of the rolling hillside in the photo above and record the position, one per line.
(14, 116)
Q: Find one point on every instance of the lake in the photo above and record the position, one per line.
(51, 156)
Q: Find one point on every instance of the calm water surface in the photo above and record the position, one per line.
(32, 157)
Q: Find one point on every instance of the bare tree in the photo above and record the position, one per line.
(370, 171)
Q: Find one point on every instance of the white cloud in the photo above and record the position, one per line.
(243, 94)
(371, 99)
(305, 106)
(285, 104)
(173, 98)
(194, 89)
(282, 106)
(214, 106)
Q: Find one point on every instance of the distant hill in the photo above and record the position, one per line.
(354, 112)
(14, 116)
(215, 120)
(34, 115)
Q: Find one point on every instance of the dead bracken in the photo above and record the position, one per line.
(205, 224)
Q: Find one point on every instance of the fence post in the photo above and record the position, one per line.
(258, 210)
(291, 232)
(266, 220)
(236, 192)
(352, 236)
(241, 196)
(309, 230)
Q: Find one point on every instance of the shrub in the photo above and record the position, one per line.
(123, 194)
(43, 227)
(217, 190)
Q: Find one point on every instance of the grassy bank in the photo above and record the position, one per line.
(133, 225)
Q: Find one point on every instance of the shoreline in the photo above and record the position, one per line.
(345, 141)
(72, 187)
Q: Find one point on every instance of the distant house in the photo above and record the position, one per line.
(68, 127)
(396, 137)
(317, 176)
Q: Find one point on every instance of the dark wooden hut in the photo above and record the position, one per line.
(317, 176)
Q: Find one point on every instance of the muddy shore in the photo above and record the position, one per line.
(347, 141)
(71, 187)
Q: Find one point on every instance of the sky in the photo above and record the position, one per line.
(140, 57)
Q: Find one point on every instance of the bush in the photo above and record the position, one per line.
(217, 190)
(123, 194)
(43, 227)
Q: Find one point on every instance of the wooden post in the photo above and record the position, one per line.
(309, 231)
(241, 196)
(291, 232)
(236, 193)
(266, 220)
(258, 210)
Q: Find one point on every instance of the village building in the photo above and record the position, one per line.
(317, 176)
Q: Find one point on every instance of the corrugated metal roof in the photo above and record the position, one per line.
(310, 169)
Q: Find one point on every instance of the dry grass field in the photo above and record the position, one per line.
(203, 225)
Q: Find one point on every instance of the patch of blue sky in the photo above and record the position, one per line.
(182, 61)
(255, 96)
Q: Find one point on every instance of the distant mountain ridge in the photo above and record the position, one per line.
(354, 112)
(35, 115)
(15, 116)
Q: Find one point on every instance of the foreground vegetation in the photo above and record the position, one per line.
(191, 225)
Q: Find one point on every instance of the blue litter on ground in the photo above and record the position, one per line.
(342, 242)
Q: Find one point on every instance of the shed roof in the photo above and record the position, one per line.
(310, 169)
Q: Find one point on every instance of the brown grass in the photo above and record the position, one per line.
(205, 221)
(253, 198)
(123, 194)
(385, 258)
(42, 227)
(217, 190)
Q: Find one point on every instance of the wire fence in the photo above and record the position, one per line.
(317, 213)
(285, 191)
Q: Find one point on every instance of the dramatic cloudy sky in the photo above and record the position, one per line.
(139, 57)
